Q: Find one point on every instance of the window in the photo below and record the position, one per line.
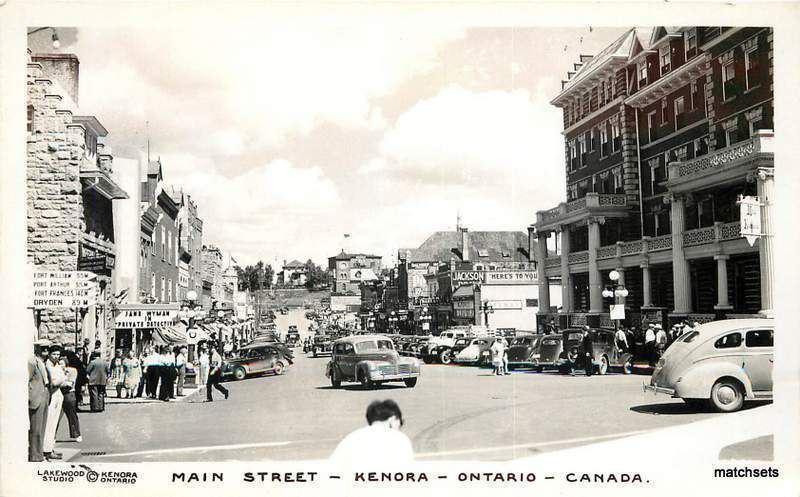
(610, 88)
(752, 117)
(729, 341)
(153, 285)
(30, 119)
(592, 140)
(582, 147)
(153, 247)
(758, 338)
(169, 246)
(663, 57)
(664, 114)
(572, 191)
(603, 139)
(680, 108)
(531, 303)
(690, 43)
(163, 243)
(728, 80)
(573, 163)
(616, 175)
(169, 290)
(616, 140)
(651, 125)
(691, 336)
(483, 253)
(641, 70)
(680, 154)
(163, 288)
(701, 146)
(750, 68)
(694, 95)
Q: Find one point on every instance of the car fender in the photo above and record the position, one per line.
(696, 382)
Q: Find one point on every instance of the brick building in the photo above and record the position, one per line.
(664, 129)
(190, 245)
(70, 195)
(345, 271)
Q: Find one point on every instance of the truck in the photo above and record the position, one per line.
(440, 348)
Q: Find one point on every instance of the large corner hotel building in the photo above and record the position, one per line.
(663, 130)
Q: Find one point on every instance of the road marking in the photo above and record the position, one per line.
(200, 449)
(530, 445)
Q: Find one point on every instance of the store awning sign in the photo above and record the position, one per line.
(64, 289)
(141, 318)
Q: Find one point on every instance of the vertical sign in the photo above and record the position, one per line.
(750, 218)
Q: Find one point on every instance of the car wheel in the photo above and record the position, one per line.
(726, 395)
(410, 382)
(239, 373)
(366, 381)
(426, 360)
(445, 357)
(279, 368)
(602, 368)
(336, 380)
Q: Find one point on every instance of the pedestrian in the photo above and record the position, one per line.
(214, 374)
(504, 357)
(497, 351)
(98, 373)
(621, 340)
(384, 422)
(650, 343)
(180, 364)
(38, 400)
(70, 405)
(587, 346)
(58, 379)
(152, 365)
(85, 352)
(203, 364)
(661, 341)
(116, 380)
(132, 369)
(165, 388)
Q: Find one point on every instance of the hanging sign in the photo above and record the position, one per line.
(750, 218)
(63, 289)
(617, 311)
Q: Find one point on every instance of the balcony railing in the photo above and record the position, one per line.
(724, 158)
(590, 201)
(552, 262)
(710, 234)
(578, 257)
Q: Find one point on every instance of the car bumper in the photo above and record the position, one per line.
(523, 363)
(658, 389)
(377, 376)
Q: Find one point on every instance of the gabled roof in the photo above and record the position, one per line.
(294, 264)
(660, 32)
(343, 256)
(154, 169)
(441, 246)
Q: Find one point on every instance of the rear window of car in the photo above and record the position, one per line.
(550, 341)
(729, 341)
(461, 341)
(758, 338)
(691, 336)
(575, 336)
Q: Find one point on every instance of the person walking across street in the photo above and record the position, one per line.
(650, 343)
(203, 364)
(70, 405)
(588, 352)
(214, 374)
(97, 372)
(58, 379)
(132, 374)
(497, 350)
(116, 380)
(38, 400)
(180, 365)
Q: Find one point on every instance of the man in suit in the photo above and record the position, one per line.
(38, 400)
(588, 352)
(97, 374)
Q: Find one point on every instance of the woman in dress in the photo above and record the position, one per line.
(117, 372)
(132, 369)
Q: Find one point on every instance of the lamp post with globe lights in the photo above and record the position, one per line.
(615, 291)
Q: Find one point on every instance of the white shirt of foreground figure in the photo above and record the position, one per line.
(375, 444)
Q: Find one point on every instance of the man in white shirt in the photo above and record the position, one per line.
(661, 340)
(621, 340)
(650, 343)
(381, 443)
(57, 379)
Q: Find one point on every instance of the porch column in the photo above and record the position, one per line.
(566, 283)
(766, 250)
(544, 284)
(681, 284)
(722, 282)
(647, 294)
(595, 281)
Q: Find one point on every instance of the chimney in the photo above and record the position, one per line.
(62, 68)
(464, 244)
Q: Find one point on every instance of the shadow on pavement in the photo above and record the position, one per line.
(358, 387)
(684, 408)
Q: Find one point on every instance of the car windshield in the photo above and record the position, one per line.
(575, 336)
(522, 341)
(551, 341)
(461, 341)
(374, 346)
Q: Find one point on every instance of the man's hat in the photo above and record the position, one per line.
(42, 342)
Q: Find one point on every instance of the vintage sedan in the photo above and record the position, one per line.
(477, 352)
(370, 360)
(550, 350)
(721, 364)
(323, 345)
(523, 351)
(254, 359)
(605, 354)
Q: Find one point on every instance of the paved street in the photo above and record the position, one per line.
(453, 413)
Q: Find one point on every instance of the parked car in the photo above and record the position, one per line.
(605, 354)
(477, 352)
(550, 349)
(461, 344)
(370, 360)
(523, 351)
(440, 348)
(721, 364)
(292, 336)
(417, 346)
(254, 359)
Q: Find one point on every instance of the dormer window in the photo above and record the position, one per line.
(641, 69)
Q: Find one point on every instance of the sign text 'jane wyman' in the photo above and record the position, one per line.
(63, 289)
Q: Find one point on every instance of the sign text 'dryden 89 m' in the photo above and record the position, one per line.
(63, 289)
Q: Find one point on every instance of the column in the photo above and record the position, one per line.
(722, 282)
(595, 281)
(566, 283)
(647, 295)
(680, 266)
(766, 250)
(544, 284)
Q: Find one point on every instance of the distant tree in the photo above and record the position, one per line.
(315, 275)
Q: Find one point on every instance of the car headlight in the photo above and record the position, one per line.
(485, 352)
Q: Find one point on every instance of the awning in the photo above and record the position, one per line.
(99, 181)
(464, 291)
(171, 335)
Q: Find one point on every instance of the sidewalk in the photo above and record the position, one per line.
(188, 390)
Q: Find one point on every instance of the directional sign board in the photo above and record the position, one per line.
(63, 289)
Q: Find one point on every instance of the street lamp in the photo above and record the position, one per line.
(392, 321)
(615, 291)
(487, 309)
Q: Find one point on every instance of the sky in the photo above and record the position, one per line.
(290, 138)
